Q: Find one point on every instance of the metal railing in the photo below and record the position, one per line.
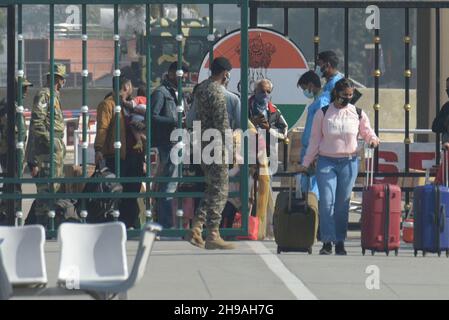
(15, 165)
(347, 5)
(35, 73)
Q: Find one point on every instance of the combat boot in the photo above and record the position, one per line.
(194, 235)
(214, 241)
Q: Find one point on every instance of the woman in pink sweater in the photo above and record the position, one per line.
(333, 143)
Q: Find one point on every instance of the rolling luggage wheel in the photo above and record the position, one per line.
(373, 252)
(396, 252)
(309, 251)
(415, 253)
(279, 250)
(363, 251)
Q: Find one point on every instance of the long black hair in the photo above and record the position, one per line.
(340, 86)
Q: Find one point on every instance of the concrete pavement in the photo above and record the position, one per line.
(179, 271)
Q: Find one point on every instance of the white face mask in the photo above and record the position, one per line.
(308, 94)
(318, 71)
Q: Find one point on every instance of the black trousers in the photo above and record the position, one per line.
(228, 214)
(131, 167)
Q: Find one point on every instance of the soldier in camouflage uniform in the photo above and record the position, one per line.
(4, 133)
(38, 147)
(210, 105)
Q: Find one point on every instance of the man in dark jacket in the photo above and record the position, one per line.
(441, 125)
(164, 101)
(441, 122)
(264, 114)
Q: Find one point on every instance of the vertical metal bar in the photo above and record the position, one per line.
(117, 111)
(437, 77)
(10, 98)
(117, 88)
(19, 109)
(148, 213)
(253, 17)
(316, 38)
(180, 107)
(52, 109)
(211, 36)
(376, 94)
(84, 108)
(244, 115)
(407, 75)
(286, 22)
(346, 42)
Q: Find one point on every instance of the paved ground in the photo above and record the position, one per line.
(178, 271)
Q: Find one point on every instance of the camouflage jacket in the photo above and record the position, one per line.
(4, 127)
(39, 131)
(210, 105)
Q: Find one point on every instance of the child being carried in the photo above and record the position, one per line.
(135, 110)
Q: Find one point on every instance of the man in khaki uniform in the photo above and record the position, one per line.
(38, 147)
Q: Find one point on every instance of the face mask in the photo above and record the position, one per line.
(308, 94)
(318, 71)
(344, 101)
(262, 97)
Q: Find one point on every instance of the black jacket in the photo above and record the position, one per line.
(441, 122)
(163, 114)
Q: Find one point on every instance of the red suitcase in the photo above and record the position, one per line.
(381, 216)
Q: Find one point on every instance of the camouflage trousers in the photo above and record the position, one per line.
(43, 206)
(215, 194)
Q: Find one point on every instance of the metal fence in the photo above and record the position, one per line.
(246, 7)
(15, 159)
(347, 5)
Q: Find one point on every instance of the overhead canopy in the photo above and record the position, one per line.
(348, 3)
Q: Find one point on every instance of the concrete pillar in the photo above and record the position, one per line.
(426, 82)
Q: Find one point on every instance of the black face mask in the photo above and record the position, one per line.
(344, 101)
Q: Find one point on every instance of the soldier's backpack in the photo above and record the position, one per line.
(100, 209)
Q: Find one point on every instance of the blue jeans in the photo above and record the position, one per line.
(336, 178)
(164, 205)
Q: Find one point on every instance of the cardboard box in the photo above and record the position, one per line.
(294, 147)
(412, 182)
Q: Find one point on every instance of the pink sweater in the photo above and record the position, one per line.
(335, 134)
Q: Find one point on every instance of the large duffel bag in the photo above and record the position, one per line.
(100, 209)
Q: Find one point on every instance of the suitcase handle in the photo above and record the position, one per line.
(369, 155)
(445, 168)
(306, 192)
